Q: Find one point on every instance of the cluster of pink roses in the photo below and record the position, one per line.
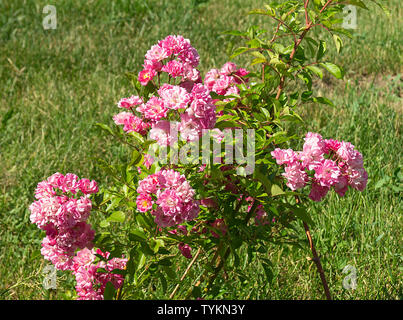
(63, 217)
(224, 81)
(172, 195)
(335, 164)
(173, 55)
(199, 113)
(188, 105)
(91, 281)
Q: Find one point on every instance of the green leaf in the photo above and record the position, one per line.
(105, 128)
(117, 216)
(276, 190)
(357, 3)
(169, 272)
(257, 61)
(136, 158)
(226, 124)
(109, 292)
(137, 235)
(321, 50)
(239, 51)
(261, 176)
(315, 70)
(323, 100)
(166, 262)
(384, 8)
(333, 69)
(145, 248)
(163, 281)
(104, 224)
(338, 42)
(268, 272)
(304, 76)
(303, 215)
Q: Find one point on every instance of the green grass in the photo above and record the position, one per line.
(56, 84)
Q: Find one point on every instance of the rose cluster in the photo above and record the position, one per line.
(187, 104)
(332, 163)
(62, 213)
(169, 197)
(224, 81)
(63, 217)
(92, 277)
(173, 55)
(194, 111)
(199, 112)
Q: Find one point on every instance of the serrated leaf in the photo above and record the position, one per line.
(338, 42)
(335, 70)
(117, 216)
(137, 235)
(321, 50)
(315, 70)
(105, 128)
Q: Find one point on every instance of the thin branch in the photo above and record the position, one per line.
(317, 262)
(287, 26)
(325, 6)
(185, 273)
(306, 12)
(296, 45)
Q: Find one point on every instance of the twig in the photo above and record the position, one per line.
(185, 273)
(296, 45)
(306, 12)
(317, 262)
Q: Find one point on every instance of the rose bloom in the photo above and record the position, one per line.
(146, 76)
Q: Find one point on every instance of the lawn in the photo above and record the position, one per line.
(56, 84)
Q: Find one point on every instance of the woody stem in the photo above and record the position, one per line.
(317, 262)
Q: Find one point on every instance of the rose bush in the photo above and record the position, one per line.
(163, 207)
